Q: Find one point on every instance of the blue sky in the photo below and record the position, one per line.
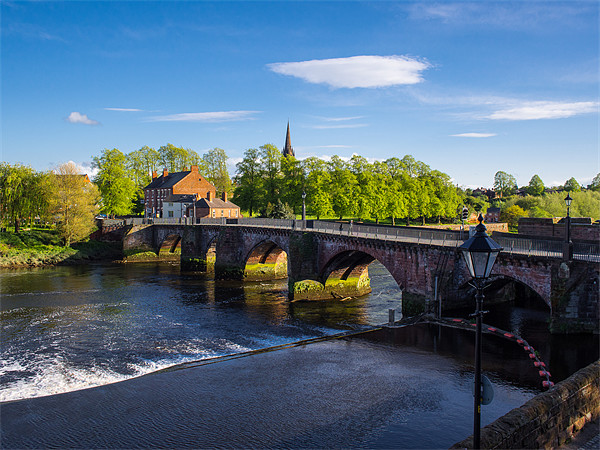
(469, 88)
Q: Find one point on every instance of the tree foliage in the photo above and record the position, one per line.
(115, 182)
(74, 203)
(571, 185)
(215, 170)
(504, 183)
(535, 186)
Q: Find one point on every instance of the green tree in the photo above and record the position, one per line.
(595, 184)
(504, 183)
(571, 185)
(74, 203)
(511, 215)
(344, 187)
(536, 186)
(318, 187)
(248, 181)
(215, 163)
(115, 182)
(396, 200)
(292, 182)
(17, 198)
(270, 158)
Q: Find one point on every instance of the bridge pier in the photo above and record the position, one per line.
(575, 290)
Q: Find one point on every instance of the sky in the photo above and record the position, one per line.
(469, 88)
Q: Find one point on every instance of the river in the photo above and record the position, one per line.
(74, 327)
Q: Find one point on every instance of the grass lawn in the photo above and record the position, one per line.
(41, 247)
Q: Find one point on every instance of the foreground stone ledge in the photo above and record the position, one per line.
(548, 420)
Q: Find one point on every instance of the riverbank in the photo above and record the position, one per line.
(37, 248)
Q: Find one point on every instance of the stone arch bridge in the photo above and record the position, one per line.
(329, 260)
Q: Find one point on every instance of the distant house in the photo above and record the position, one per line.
(211, 207)
(176, 205)
(175, 187)
(492, 215)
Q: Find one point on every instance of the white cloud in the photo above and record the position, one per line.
(124, 109)
(215, 116)
(356, 71)
(85, 168)
(544, 110)
(76, 117)
(474, 135)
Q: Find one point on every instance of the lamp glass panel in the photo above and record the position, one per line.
(480, 261)
(491, 262)
(467, 255)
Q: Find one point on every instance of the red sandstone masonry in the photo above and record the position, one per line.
(549, 419)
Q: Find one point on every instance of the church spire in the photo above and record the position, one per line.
(287, 149)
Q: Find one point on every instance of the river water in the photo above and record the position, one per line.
(69, 328)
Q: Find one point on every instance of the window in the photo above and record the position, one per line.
(236, 213)
(214, 213)
(170, 204)
(222, 213)
(170, 213)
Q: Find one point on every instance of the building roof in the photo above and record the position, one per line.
(215, 203)
(169, 181)
(183, 198)
(287, 148)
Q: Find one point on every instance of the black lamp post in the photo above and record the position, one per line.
(480, 252)
(568, 248)
(303, 209)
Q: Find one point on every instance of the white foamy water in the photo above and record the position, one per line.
(72, 328)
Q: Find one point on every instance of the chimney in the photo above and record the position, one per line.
(154, 175)
(165, 173)
(194, 169)
(224, 197)
(209, 196)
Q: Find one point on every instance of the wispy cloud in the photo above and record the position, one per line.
(356, 71)
(77, 117)
(509, 15)
(215, 116)
(124, 109)
(544, 110)
(31, 31)
(474, 135)
(339, 126)
(338, 119)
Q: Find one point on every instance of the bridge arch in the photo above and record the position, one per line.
(521, 292)
(171, 245)
(266, 261)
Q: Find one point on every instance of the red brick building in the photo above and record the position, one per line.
(169, 185)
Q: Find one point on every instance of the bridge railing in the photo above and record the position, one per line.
(531, 247)
(586, 251)
(419, 236)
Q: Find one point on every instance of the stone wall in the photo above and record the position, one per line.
(582, 228)
(548, 420)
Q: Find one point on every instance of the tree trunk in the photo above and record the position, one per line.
(423, 220)
(17, 228)
(393, 221)
(407, 221)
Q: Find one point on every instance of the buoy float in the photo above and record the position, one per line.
(539, 364)
(527, 348)
(547, 384)
(520, 341)
(532, 355)
(492, 329)
(508, 335)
